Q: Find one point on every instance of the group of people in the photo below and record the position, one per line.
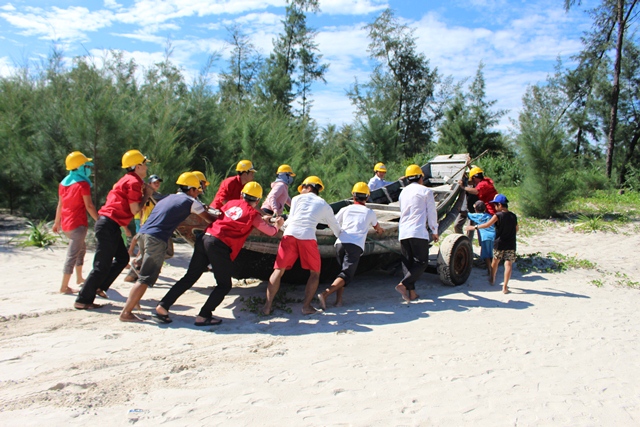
(231, 216)
(489, 215)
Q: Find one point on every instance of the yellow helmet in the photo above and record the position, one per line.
(380, 167)
(311, 180)
(245, 166)
(75, 160)
(132, 158)
(188, 179)
(361, 187)
(285, 169)
(475, 171)
(201, 177)
(413, 170)
(252, 189)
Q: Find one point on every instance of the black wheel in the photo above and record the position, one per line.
(455, 259)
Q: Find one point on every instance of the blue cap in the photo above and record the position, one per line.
(500, 198)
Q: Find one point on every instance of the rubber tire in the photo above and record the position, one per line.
(455, 260)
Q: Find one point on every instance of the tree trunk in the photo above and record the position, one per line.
(616, 86)
(627, 158)
(578, 141)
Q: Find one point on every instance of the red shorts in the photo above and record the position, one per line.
(291, 248)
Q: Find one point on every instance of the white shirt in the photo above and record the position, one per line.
(355, 221)
(377, 182)
(307, 211)
(417, 209)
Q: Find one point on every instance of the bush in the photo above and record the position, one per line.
(548, 176)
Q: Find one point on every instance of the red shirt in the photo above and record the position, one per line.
(486, 193)
(237, 221)
(230, 189)
(124, 192)
(74, 212)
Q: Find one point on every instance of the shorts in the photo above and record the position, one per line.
(348, 256)
(507, 254)
(291, 248)
(486, 249)
(152, 259)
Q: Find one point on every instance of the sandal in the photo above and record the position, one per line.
(160, 318)
(101, 294)
(209, 322)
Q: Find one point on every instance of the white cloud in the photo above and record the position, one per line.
(352, 7)
(330, 106)
(6, 67)
(70, 24)
(8, 7)
(112, 4)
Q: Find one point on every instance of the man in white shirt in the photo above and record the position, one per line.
(378, 181)
(355, 221)
(299, 241)
(417, 212)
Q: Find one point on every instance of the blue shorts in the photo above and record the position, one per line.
(486, 249)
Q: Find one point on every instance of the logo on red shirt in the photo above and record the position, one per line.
(234, 213)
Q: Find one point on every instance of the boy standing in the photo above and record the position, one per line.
(355, 221)
(487, 235)
(505, 242)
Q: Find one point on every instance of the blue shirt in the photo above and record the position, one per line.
(485, 233)
(168, 214)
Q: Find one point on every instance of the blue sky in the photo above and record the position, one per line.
(518, 40)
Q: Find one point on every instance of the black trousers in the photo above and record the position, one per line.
(197, 265)
(110, 259)
(207, 250)
(415, 257)
(220, 257)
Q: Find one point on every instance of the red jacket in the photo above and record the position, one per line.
(486, 193)
(234, 226)
(230, 189)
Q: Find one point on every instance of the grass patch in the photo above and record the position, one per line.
(593, 223)
(37, 235)
(551, 263)
(281, 302)
(622, 279)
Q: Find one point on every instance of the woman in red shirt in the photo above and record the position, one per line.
(74, 199)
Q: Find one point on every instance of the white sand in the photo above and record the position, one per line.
(558, 350)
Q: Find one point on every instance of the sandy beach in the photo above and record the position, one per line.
(558, 350)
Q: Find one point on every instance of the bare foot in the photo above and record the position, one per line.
(309, 310)
(69, 291)
(129, 317)
(137, 307)
(129, 279)
(413, 296)
(403, 291)
(323, 303)
(266, 310)
(101, 294)
(80, 306)
(338, 303)
(80, 281)
(505, 290)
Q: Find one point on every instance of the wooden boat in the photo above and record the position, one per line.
(442, 173)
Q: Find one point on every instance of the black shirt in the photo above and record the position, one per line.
(506, 231)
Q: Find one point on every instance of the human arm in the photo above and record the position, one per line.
(487, 224)
(432, 215)
(265, 227)
(88, 204)
(379, 230)
(147, 191)
(56, 223)
(331, 221)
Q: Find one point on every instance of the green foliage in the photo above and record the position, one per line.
(468, 122)
(37, 235)
(506, 169)
(554, 262)
(610, 204)
(592, 224)
(282, 300)
(548, 181)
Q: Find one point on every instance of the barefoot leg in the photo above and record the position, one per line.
(272, 290)
(402, 290)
